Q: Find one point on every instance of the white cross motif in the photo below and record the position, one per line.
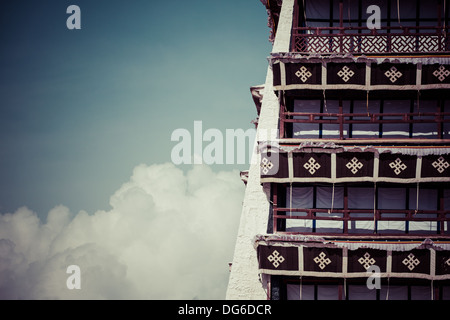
(354, 165)
(440, 164)
(398, 166)
(447, 262)
(321, 260)
(276, 258)
(266, 165)
(366, 261)
(411, 262)
(393, 74)
(303, 74)
(311, 165)
(345, 73)
(441, 73)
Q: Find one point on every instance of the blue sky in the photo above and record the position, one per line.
(79, 109)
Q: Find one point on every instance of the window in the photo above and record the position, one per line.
(317, 197)
(352, 208)
(327, 13)
(307, 288)
(331, 16)
(386, 118)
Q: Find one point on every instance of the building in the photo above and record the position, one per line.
(352, 179)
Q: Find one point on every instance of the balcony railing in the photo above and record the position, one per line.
(360, 40)
(374, 217)
(343, 120)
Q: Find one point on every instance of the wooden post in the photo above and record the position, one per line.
(346, 213)
(439, 119)
(441, 212)
(341, 120)
(341, 26)
(282, 116)
(274, 187)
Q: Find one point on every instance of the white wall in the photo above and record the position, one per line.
(245, 282)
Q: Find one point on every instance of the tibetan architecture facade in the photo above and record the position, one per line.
(352, 178)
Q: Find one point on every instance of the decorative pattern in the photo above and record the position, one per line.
(440, 164)
(354, 165)
(411, 262)
(366, 261)
(432, 263)
(398, 166)
(408, 41)
(266, 165)
(393, 74)
(447, 262)
(312, 166)
(386, 75)
(321, 260)
(345, 73)
(441, 73)
(276, 258)
(303, 73)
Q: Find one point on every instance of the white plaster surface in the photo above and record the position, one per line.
(245, 282)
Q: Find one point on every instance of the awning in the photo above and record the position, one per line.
(327, 258)
(297, 72)
(339, 164)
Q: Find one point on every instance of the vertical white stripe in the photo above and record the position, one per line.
(419, 168)
(432, 262)
(389, 263)
(300, 260)
(291, 166)
(368, 75)
(344, 261)
(333, 167)
(282, 74)
(419, 76)
(324, 74)
(376, 166)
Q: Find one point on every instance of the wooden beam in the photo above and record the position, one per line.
(366, 141)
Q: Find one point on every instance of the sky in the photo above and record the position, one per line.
(86, 118)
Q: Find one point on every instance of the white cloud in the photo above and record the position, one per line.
(169, 235)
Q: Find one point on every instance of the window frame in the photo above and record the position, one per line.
(281, 211)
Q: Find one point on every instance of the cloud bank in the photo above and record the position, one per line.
(169, 235)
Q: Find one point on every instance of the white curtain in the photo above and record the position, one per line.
(428, 200)
(324, 292)
(361, 198)
(306, 130)
(421, 292)
(393, 292)
(293, 292)
(447, 125)
(324, 200)
(302, 197)
(365, 130)
(392, 198)
(396, 130)
(331, 131)
(425, 130)
(361, 292)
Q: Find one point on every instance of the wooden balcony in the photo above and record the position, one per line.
(343, 121)
(347, 216)
(361, 40)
